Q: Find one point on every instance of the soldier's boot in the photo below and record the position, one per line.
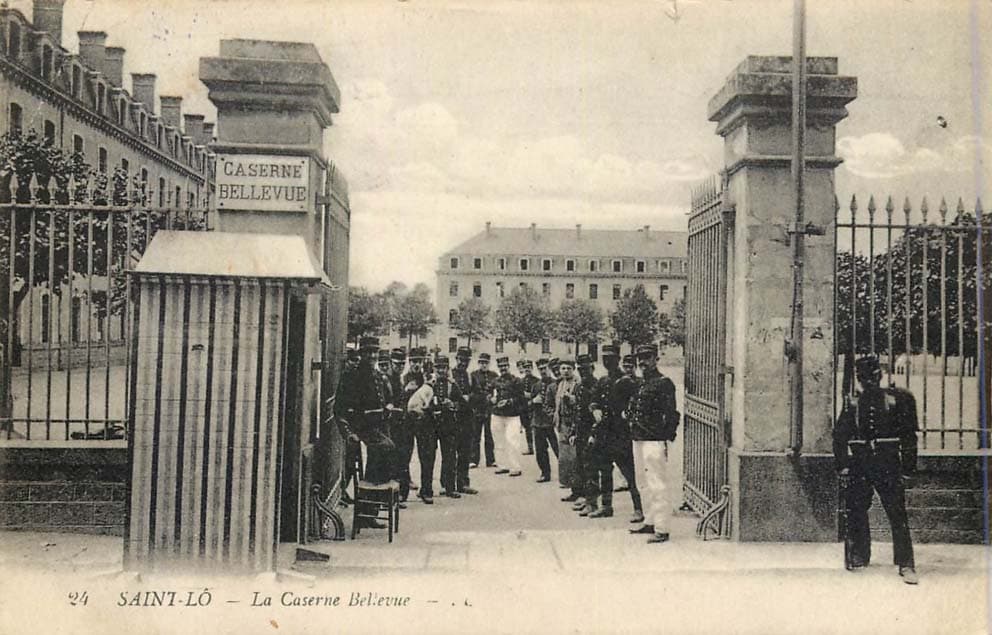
(909, 575)
(579, 503)
(571, 498)
(637, 517)
(590, 507)
(602, 512)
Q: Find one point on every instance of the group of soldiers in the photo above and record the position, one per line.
(391, 403)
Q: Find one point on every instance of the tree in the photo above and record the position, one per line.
(367, 313)
(414, 313)
(473, 320)
(635, 319)
(578, 321)
(671, 328)
(524, 317)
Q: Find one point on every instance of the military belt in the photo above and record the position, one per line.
(873, 443)
(372, 412)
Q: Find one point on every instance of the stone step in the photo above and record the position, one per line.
(925, 536)
(959, 498)
(933, 518)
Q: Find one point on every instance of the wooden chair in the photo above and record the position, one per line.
(379, 497)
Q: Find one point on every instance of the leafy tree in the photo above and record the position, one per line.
(635, 319)
(367, 313)
(473, 320)
(578, 321)
(524, 317)
(414, 313)
(671, 328)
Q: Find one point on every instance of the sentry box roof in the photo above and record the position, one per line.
(231, 255)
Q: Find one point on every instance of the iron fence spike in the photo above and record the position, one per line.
(889, 207)
(924, 208)
(960, 209)
(871, 207)
(906, 207)
(942, 209)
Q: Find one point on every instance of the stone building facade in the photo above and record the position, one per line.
(597, 265)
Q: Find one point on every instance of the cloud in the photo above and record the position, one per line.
(881, 155)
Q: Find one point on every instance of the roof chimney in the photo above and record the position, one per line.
(171, 110)
(113, 65)
(47, 15)
(647, 231)
(533, 231)
(578, 231)
(143, 90)
(489, 227)
(193, 125)
(91, 46)
(208, 132)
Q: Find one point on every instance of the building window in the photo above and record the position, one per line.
(500, 292)
(477, 263)
(685, 264)
(453, 263)
(46, 317)
(546, 264)
(501, 264)
(158, 135)
(663, 266)
(546, 289)
(100, 98)
(47, 62)
(499, 344)
(76, 82)
(524, 264)
(161, 191)
(453, 290)
(616, 292)
(125, 165)
(593, 266)
(641, 266)
(49, 132)
(570, 265)
(593, 291)
(16, 119)
(179, 196)
(452, 316)
(452, 344)
(77, 144)
(664, 290)
(617, 266)
(545, 346)
(14, 40)
(569, 291)
(121, 112)
(477, 290)
(144, 185)
(102, 162)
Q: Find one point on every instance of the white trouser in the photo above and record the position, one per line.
(651, 470)
(511, 433)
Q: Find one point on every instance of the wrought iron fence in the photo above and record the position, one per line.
(65, 247)
(910, 285)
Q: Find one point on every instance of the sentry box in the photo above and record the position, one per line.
(223, 399)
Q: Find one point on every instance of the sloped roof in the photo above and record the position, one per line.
(572, 242)
(232, 255)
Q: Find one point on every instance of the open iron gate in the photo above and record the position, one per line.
(707, 425)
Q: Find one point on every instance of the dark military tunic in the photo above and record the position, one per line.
(653, 415)
(360, 408)
(874, 447)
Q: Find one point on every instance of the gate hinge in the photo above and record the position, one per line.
(322, 200)
(810, 229)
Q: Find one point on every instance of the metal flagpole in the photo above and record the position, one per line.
(794, 346)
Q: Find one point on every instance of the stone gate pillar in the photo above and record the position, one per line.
(775, 497)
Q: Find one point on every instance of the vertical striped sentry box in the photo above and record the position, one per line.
(207, 398)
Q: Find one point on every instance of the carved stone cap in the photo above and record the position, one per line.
(763, 84)
(271, 75)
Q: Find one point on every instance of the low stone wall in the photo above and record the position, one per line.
(786, 501)
(67, 487)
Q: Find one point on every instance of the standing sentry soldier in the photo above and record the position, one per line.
(653, 419)
(527, 378)
(400, 430)
(482, 385)
(585, 473)
(466, 422)
(542, 407)
(875, 450)
(447, 411)
(353, 447)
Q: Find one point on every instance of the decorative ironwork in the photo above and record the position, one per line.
(716, 521)
(325, 517)
(705, 428)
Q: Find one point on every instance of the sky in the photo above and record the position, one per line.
(559, 112)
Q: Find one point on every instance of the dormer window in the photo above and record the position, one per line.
(14, 40)
(47, 62)
(76, 84)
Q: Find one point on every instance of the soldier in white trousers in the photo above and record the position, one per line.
(653, 419)
(508, 403)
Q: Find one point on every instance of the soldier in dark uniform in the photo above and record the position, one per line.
(529, 380)
(447, 411)
(653, 418)
(585, 394)
(353, 447)
(875, 450)
(411, 380)
(625, 389)
(360, 409)
(564, 417)
(466, 421)
(400, 429)
(482, 385)
(542, 406)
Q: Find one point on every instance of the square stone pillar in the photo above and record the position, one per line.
(272, 99)
(775, 497)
